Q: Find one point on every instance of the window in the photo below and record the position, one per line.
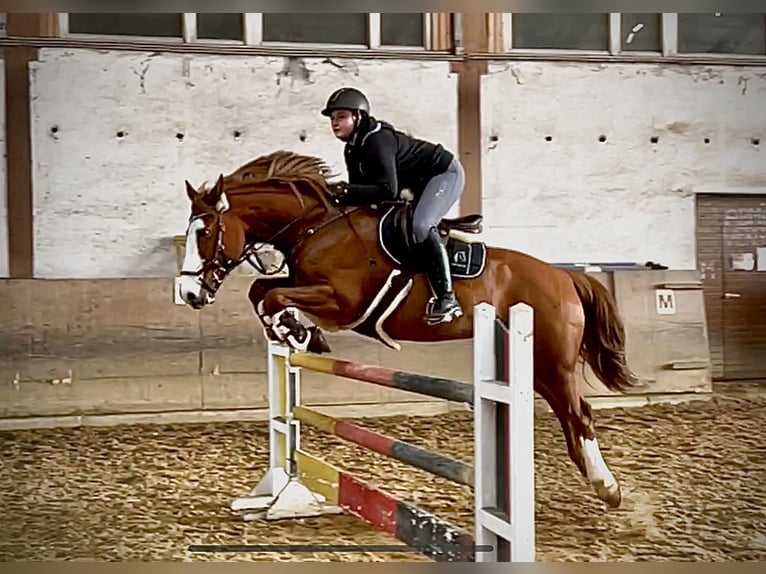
(401, 30)
(641, 32)
(129, 24)
(228, 26)
(560, 31)
(662, 35)
(321, 28)
(722, 33)
(398, 30)
(3, 20)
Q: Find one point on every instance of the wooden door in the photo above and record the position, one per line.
(731, 255)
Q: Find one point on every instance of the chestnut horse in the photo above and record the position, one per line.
(347, 270)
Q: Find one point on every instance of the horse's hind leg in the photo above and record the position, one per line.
(575, 416)
(560, 408)
(601, 478)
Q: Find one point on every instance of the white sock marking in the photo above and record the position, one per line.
(595, 465)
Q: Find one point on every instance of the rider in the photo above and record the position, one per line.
(381, 162)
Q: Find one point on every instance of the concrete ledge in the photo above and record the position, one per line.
(219, 416)
(420, 408)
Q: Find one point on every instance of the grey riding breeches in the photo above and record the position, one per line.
(440, 193)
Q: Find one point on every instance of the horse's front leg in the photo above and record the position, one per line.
(279, 310)
(258, 290)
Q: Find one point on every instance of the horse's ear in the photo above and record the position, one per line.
(190, 191)
(218, 198)
(212, 194)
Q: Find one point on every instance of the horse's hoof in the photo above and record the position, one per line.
(288, 329)
(611, 494)
(317, 343)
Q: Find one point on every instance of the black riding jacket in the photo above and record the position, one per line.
(381, 161)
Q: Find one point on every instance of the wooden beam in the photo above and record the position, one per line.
(495, 32)
(41, 25)
(475, 40)
(441, 31)
(18, 127)
(469, 132)
(19, 162)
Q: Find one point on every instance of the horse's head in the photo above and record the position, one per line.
(275, 199)
(215, 244)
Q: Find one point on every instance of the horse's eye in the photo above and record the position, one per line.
(205, 232)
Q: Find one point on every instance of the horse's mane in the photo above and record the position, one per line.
(281, 167)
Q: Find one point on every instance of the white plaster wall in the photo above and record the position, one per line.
(576, 199)
(108, 206)
(4, 270)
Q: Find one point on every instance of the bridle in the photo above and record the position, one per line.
(219, 267)
(221, 264)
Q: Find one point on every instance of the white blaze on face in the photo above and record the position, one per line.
(191, 285)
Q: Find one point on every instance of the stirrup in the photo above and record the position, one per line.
(432, 318)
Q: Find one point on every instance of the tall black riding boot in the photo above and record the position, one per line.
(445, 307)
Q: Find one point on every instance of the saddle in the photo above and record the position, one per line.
(467, 258)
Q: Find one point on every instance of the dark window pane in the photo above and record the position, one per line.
(316, 28)
(562, 31)
(641, 32)
(133, 24)
(401, 29)
(722, 34)
(220, 26)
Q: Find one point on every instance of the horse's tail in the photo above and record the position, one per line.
(603, 343)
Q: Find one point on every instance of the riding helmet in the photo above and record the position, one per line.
(347, 99)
